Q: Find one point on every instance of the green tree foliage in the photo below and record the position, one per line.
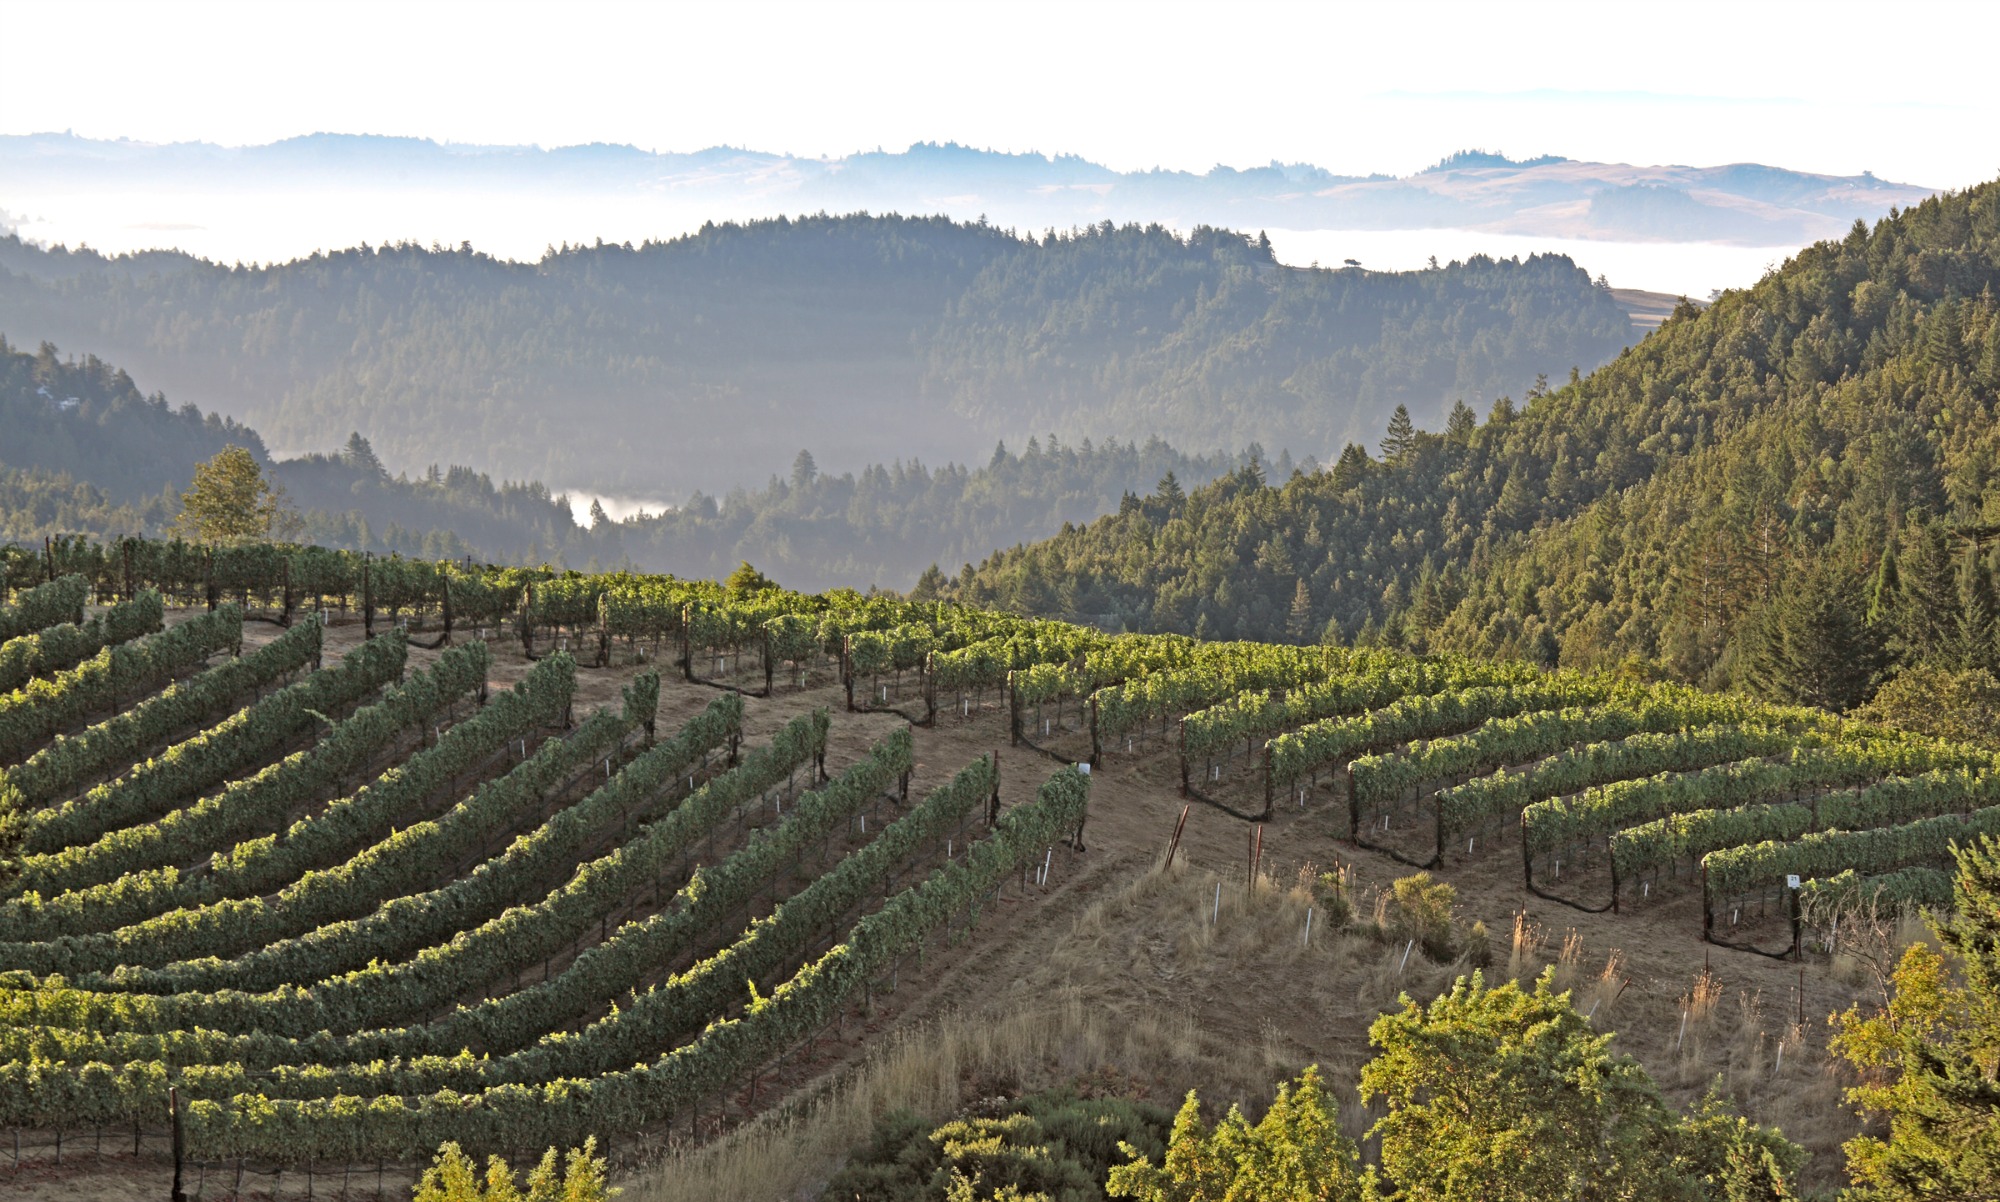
(1295, 1153)
(1962, 706)
(114, 463)
(230, 504)
(746, 580)
(1930, 1061)
(1842, 409)
(921, 331)
(1813, 644)
(453, 1177)
(1507, 1093)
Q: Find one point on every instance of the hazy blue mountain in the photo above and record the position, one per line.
(1744, 203)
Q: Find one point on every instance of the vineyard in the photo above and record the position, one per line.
(280, 845)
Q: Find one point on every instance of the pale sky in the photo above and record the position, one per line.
(1901, 89)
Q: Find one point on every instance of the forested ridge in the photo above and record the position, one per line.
(88, 453)
(1783, 490)
(708, 360)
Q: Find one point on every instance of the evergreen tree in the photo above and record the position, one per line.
(804, 470)
(1170, 491)
(360, 456)
(1298, 624)
(1926, 623)
(1401, 435)
(1459, 427)
(930, 585)
(1888, 584)
(1973, 630)
(1931, 1060)
(1813, 644)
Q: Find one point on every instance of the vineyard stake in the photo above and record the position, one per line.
(1174, 844)
(1216, 915)
(1406, 955)
(174, 1117)
(1307, 941)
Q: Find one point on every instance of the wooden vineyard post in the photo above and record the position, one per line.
(1270, 784)
(767, 663)
(174, 1121)
(1184, 757)
(285, 576)
(1527, 861)
(527, 620)
(444, 586)
(1353, 806)
(367, 599)
(993, 806)
(930, 688)
(1707, 910)
(1013, 712)
(1096, 746)
(603, 633)
(1174, 844)
(1798, 924)
(207, 583)
(847, 670)
(687, 643)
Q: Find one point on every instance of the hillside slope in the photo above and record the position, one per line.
(1715, 502)
(86, 452)
(707, 361)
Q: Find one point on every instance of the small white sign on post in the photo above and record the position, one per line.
(1792, 881)
(1083, 768)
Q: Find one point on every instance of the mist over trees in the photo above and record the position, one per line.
(707, 361)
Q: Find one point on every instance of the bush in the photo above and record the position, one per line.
(454, 1178)
(1053, 1146)
(1420, 909)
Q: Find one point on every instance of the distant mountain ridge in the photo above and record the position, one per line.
(652, 370)
(1742, 203)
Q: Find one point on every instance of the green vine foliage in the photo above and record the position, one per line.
(55, 648)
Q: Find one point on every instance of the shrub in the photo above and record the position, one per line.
(454, 1178)
(1420, 909)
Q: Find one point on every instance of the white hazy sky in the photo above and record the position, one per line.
(1901, 89)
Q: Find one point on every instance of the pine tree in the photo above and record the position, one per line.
(1170, 491)
(358, 454)
(1888, 585)
(1401, 435)
(1812, 644)
(1927, 601)
(1459, 426)
(1298, 624)
(930, 586)
(1973, 641)
(804, 470)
